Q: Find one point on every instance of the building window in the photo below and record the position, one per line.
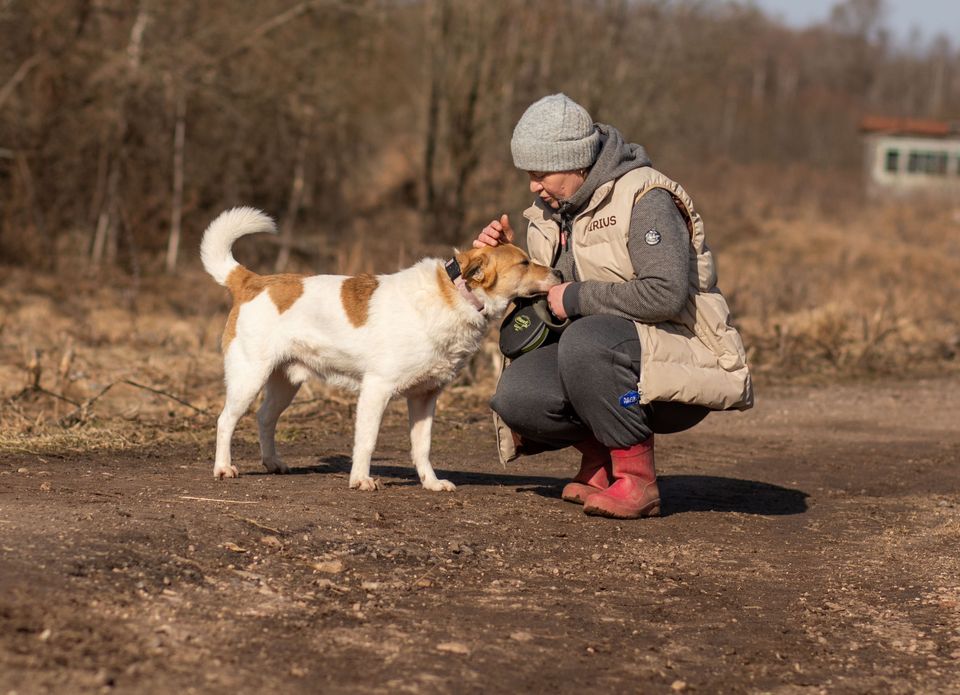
(940, 160)
(927, 163)
(913, 162)
(893, 160)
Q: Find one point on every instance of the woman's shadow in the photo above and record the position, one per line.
(701, 493)
(679, 493)
(710, 493)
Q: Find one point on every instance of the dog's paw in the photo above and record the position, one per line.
(440, 486)
(365, 484)
(225, 472)
(275, 465)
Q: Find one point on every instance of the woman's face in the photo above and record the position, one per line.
(555, 186)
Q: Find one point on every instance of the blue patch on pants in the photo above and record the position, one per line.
(629, 398)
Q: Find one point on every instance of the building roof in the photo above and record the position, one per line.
(892, 125)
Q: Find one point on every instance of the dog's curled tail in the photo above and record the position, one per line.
(222, 232)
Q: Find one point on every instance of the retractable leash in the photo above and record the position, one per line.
(455, 273)
(529, 326)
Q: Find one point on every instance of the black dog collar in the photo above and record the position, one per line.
(455, 273)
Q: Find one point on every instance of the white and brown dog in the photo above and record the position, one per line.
(405, 334)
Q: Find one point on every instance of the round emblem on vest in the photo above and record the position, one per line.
(652, 237)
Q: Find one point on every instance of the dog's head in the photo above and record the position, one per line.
(505, 272)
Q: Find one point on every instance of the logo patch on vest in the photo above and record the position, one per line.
(602, 223)
(629, 398)
(652, 237)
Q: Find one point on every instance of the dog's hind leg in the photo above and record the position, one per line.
(374, 396)
(277, 395)
(244, 381)
(421, 408)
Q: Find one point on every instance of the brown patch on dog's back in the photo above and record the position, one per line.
(244, 285)
(355, 293)
(284, 290)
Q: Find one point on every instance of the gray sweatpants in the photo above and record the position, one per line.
(586, 383)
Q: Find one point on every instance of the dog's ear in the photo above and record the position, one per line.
(474, 269)
(472, 265)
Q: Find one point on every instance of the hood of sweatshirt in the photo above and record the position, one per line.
(615, 159)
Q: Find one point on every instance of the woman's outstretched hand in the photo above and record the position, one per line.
(496, 233)
(555, 300)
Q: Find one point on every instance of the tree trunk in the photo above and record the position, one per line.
(105, 236)
(428, 197)
(47, 247)
(728, 126)
(293, 206)
(936, 90)
(176, 211)
(107, 218)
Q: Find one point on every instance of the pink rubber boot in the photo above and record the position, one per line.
(594, 474)
(633, 493)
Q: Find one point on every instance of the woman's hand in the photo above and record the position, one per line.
(555, 300)
(496, 233)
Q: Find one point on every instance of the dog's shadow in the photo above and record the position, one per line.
(679, 493)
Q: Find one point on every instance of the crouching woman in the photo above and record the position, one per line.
(650, 348)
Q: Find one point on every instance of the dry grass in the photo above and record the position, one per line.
(99, 363)
(110, 362)
(876, 294)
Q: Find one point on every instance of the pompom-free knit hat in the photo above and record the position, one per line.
(555, 134)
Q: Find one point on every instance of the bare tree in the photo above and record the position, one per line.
(176, 206)
(105, 234)
(125, 126)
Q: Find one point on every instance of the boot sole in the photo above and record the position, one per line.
(652, 509)
(577, 493)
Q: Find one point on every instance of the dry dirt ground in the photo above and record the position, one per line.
(809, 545)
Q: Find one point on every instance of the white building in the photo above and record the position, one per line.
(908, 156)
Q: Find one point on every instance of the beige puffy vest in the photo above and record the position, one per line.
(697, 357)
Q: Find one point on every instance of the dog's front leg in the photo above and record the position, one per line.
(374, 396)
(421, 407)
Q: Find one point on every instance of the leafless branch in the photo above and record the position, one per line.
(19, 76)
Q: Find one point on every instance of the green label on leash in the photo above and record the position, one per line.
(521, 323)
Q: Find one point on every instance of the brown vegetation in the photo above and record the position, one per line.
(125, 126)
(377, 132)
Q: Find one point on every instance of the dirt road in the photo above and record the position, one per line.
(809, 545)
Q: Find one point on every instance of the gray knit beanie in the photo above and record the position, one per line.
(555, 134)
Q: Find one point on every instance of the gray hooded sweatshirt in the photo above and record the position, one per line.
(659, 290)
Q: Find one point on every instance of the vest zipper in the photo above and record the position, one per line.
(566, 242)
(566, 231)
